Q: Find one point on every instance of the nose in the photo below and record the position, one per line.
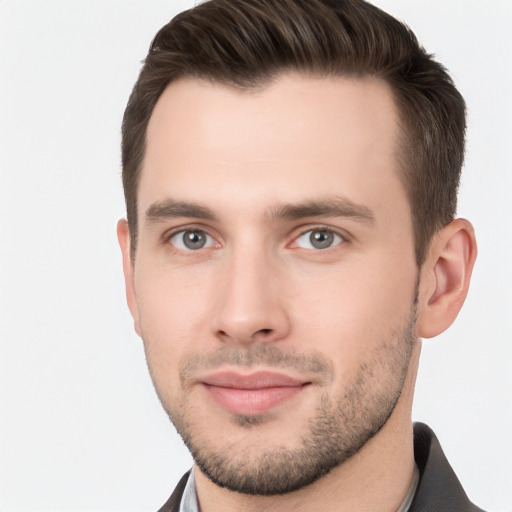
(251, 301)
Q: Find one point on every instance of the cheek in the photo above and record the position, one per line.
(173, 319)
(352, 310)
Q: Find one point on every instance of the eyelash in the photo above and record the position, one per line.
(344, 237)
(167, 237)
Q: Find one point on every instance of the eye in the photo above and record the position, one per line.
(191, 240)
(318, 239)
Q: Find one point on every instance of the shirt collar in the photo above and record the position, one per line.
(189, 499)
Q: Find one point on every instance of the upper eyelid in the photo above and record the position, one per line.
(320, 227)
(293, 234)
(169, 233)
(294, 244)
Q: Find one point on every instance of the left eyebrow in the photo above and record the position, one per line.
(329, 207)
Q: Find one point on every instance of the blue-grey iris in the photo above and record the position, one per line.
(321, 239)
(194, 239)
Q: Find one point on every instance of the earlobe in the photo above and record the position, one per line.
(445, 277)
(123, 235)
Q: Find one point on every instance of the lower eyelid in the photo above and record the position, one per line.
(167, 239)
(339, 237)
(212, 242)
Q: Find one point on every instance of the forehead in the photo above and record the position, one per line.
(295, 136)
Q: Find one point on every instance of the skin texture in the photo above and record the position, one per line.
(252, 176)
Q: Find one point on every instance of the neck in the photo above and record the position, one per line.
(376, 478)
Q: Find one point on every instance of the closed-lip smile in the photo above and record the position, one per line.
(251, 394)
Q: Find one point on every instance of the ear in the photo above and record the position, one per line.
(123, 235)
(445, 277)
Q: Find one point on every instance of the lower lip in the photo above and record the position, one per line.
(252, 401)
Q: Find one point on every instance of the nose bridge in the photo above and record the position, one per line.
(250, 305)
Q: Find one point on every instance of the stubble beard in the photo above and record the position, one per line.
(340, 427)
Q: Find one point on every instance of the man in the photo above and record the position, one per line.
(290, 170)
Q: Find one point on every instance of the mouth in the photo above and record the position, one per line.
(252, 394)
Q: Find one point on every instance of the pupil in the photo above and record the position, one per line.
(321, 239)
(194, 239)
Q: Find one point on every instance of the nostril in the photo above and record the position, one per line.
(265, 331)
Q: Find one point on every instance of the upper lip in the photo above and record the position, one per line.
(255, 380)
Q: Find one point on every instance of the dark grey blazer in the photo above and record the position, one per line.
(438, 490)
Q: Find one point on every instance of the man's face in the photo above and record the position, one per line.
(274, 283)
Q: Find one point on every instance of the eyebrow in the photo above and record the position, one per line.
(335, 206)
(330, 207)
(170, 208)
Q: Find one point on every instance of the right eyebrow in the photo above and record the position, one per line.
(170, 209)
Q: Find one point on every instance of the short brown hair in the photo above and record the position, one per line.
(245, 43)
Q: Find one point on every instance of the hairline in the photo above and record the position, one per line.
(261, 84)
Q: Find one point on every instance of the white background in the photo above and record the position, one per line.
(80, 426)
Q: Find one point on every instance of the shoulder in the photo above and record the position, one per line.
(439, 489)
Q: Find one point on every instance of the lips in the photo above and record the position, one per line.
(251, 394)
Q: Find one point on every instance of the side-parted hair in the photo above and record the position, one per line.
(245, 44)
